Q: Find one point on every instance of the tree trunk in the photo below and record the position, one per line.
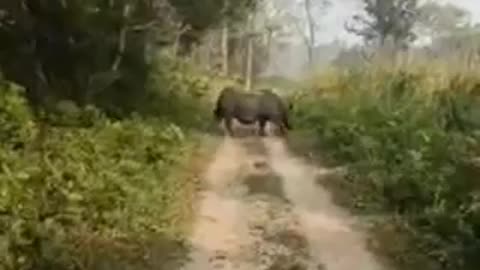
(225, 36)
(311, 30)
(225, 49)
(178, 36)
(208, 51)
(269, 46)
(122, 40)
(250, 39)
(249, 75)
(176, 45)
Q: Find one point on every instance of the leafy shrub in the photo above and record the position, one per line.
(80, 177)
(411, 149)
(15, 117)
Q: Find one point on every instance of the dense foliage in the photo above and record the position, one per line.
(412, 141)
(97, 128)
(82, 187)
(97, 52)
(381, 20)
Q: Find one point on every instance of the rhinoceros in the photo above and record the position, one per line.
(259, 106)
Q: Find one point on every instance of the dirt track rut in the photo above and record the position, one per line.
(261, 209)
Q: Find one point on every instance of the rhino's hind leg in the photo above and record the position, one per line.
(280, 128)
(228, 126)
(261, 128)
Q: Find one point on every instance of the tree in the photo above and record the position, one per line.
(262, 26)
(75, 49)
(95, 51)
(200, 16)
(225, 37)
(234, 12)
(385, 19)
(452, 35)
(250, 52)
(309, 25)
(270, 23)
(442, 19)
(298, 19)
(311, 30)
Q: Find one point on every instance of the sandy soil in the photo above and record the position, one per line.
(261, 208)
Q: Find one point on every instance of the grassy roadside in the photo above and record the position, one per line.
(409, 139)
(88, 191)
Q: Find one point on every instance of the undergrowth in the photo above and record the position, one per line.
(411, 140)
(83, 190)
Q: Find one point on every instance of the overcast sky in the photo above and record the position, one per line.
(342, 11)
(291, 62)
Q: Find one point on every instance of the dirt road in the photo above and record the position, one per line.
(260, 208)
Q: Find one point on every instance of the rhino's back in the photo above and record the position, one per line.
(270, 103)
(246, 107)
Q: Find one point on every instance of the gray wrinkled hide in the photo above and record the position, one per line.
(251, 108)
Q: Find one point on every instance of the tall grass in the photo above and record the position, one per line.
(411, 138)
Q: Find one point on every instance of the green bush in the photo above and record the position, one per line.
(79, 179)
(15, 117)
(411, 151)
